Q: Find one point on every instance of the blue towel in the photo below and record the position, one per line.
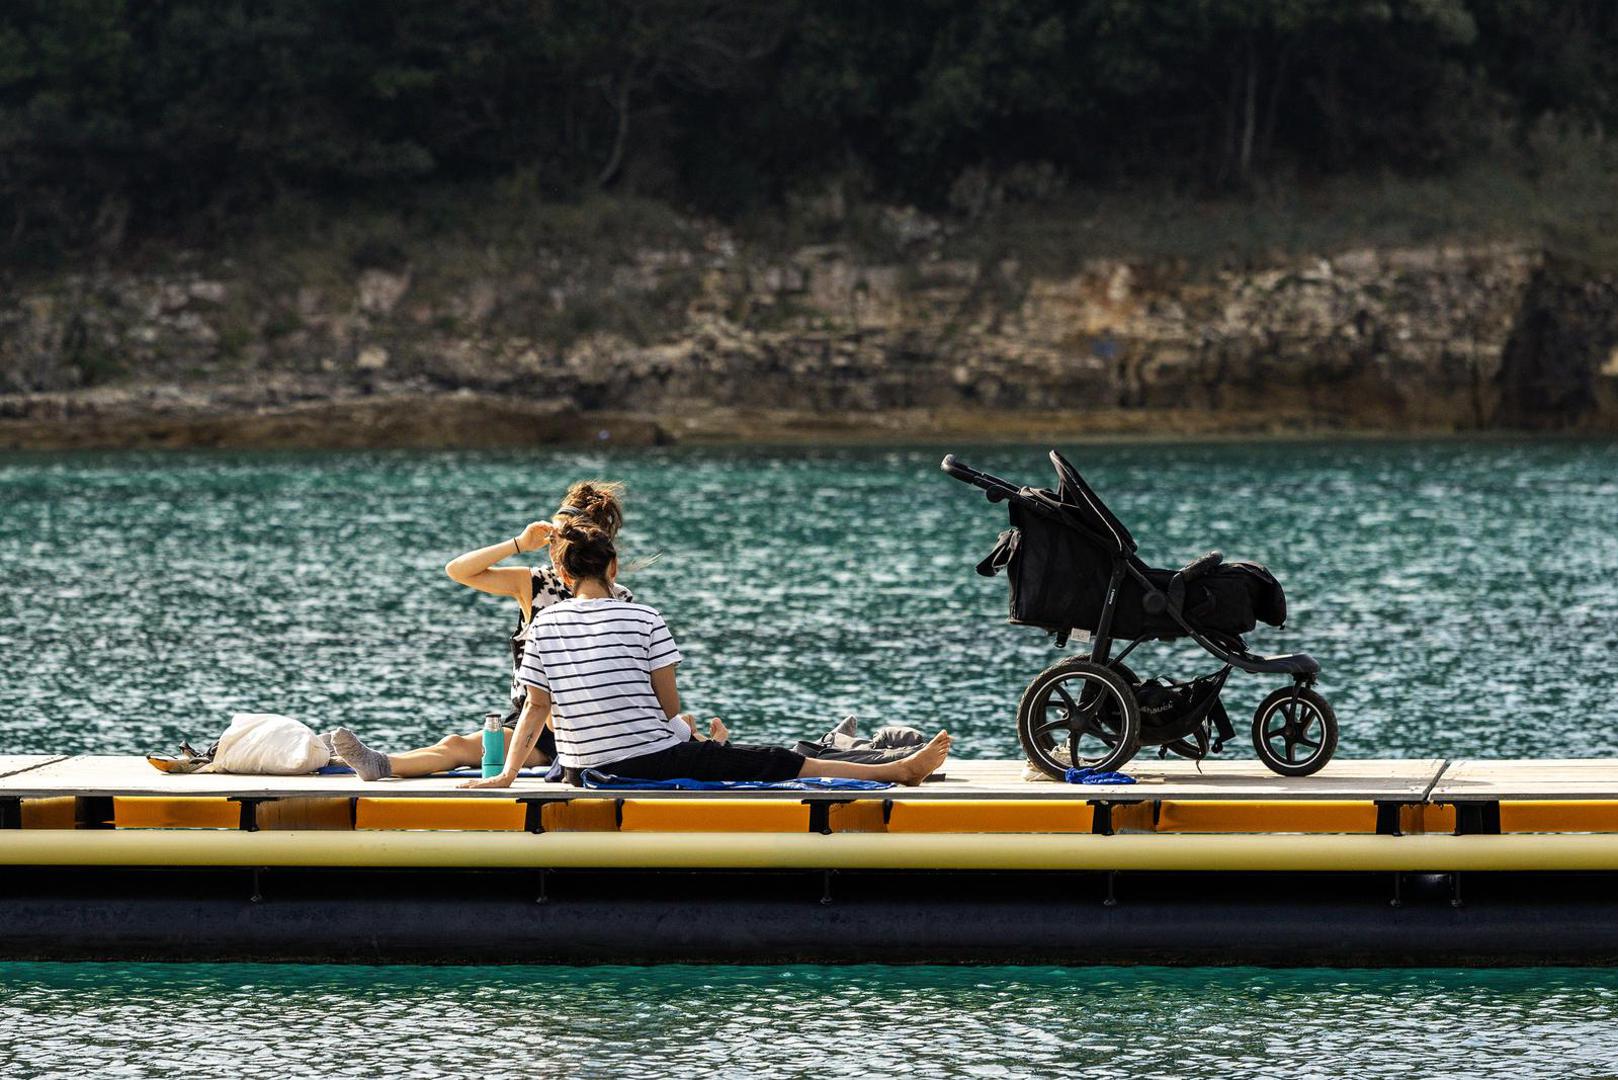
(1090, 776)
(608, 782)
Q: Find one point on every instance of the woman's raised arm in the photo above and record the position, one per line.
(477, 570)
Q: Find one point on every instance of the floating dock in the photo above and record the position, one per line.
(1385, 862)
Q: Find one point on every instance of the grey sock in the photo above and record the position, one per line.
(367, 764)
(847, 727)
(325, 740)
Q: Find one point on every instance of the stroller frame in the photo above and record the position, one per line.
(1113, 538)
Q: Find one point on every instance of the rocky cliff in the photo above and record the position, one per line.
(709, 339)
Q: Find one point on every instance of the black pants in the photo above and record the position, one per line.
(711, 761)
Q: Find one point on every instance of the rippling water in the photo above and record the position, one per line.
(1461, 596)
(261, 1021)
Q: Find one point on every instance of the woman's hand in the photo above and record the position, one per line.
(501, 781)
(536, 536)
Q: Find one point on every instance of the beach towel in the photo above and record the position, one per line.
(551, 773)
(607, 782)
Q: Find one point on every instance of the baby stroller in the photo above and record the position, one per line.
(1073, 570)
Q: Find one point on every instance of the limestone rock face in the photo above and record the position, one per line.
(380, 291)
(1434, 338)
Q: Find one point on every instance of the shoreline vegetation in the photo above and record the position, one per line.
(619, 319)
(804, 221)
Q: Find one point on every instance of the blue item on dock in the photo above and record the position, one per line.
(608, 782)
(1090, 776)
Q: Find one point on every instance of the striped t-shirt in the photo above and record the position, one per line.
(595, 658)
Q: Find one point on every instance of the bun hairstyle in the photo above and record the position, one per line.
(596, 502)
(584, 552)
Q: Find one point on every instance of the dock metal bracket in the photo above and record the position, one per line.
(533, 816)
(820, 813)
(248, 820)
(1101, 819)
(1477, 818)
(93, 811)
(826, 877)
(1387, 817)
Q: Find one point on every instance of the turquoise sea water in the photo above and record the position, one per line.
(251, 1021)
(1461, 597)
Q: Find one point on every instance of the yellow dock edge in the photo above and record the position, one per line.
(851, 851)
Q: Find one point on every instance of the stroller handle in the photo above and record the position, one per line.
(996, 488)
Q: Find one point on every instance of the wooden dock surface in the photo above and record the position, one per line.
(1546, 780)
(1402, 780)
(1399, 780)
(11, 764)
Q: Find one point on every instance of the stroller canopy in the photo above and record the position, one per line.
(1080, 500)
(1061, 554)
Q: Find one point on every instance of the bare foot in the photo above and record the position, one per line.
(924, 762)
(717, 731)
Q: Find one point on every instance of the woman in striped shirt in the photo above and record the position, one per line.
(535, 588)
(599, 670)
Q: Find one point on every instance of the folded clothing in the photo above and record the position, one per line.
(843, 743)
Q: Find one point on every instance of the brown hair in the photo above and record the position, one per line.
(584, 552)
(598, 503)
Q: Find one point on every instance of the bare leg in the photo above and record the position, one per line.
(911, 770)
(454, 752)
(450, 752)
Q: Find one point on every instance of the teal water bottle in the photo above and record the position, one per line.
(494, 745)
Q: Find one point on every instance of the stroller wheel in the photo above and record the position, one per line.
(1294, 731)
(1078, 714)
